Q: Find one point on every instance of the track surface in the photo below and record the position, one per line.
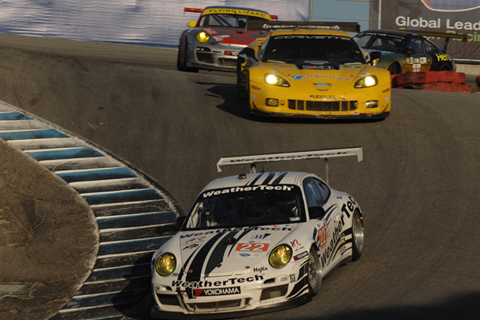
(418, 184)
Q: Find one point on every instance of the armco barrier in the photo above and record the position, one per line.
(135, 215)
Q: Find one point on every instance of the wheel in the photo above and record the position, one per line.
(314, 276)
(358, 237)
(445, 67)
(182, 57)
(394, 68)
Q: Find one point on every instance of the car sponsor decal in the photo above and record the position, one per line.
(338, 238)
(216, 283)
(213, 292)
(319, 76)
(218, 192)
(252, 247)
(300, 256)
(232, 11)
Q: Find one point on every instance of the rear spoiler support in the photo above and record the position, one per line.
(304, 155)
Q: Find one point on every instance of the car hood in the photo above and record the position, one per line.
(235, 36)
(320, 72)
(225, 252)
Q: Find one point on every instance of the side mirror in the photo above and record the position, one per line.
(375, 55)
(249, 53)
(180, 221)
(192, 24)
(316, 212)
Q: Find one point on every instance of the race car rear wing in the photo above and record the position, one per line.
(447, 36)
(198, 10)
(304, 155)
(314, 25)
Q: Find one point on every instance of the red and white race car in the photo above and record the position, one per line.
(213, 42)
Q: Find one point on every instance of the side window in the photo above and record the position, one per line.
(316, 192)
(362, 41)
(430, 47)
(324, 190)
(416, 44)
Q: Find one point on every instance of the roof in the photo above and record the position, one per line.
(257, 179)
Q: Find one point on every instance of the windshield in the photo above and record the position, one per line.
(227, 208)
(226, 20)
(289, 48)
(381, 42)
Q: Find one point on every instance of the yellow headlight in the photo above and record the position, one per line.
(367, 82)
(280, 256)
(275, 80)
(165, 264)
(202, 36)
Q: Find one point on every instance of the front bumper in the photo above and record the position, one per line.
(247, 295)
(295, 103)
(219, 57)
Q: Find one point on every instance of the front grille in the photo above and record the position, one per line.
(228, 62)
(168, 299)
(306, 105)
(204, 57)
(219, 305)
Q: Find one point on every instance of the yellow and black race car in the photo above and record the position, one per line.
(312, 70)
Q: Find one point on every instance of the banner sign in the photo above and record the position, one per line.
(446, 16)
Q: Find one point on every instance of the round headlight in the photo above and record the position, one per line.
(280, 256)
(202, 36)
(165, 264)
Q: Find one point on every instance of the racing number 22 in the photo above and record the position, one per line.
(255, 247)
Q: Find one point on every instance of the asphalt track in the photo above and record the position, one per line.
(418, 183)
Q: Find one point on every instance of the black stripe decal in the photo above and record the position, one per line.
(269, 178)
(195, 269)
(279, 178)
(217, 255)
(255, 180)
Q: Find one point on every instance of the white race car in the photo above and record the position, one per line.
(257, 240)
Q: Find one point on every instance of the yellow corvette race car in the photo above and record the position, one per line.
(312, 70)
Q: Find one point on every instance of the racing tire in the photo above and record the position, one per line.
(314, 274)
(358, 236)
(181, 58)
(394, 68)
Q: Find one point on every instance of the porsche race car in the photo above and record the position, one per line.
(257, 241)
(312, 70)
(213, 42)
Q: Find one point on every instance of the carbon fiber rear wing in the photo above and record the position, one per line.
(313, 25)
(304, 155)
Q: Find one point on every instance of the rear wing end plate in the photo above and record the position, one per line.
(304, 155)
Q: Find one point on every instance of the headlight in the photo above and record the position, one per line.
(280, 256)
(165, 264)
(202, 36)
(367, 82)
(275, 80)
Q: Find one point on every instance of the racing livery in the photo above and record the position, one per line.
(405, 51)
(315, 71)
(257, 240)
(213, 42)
